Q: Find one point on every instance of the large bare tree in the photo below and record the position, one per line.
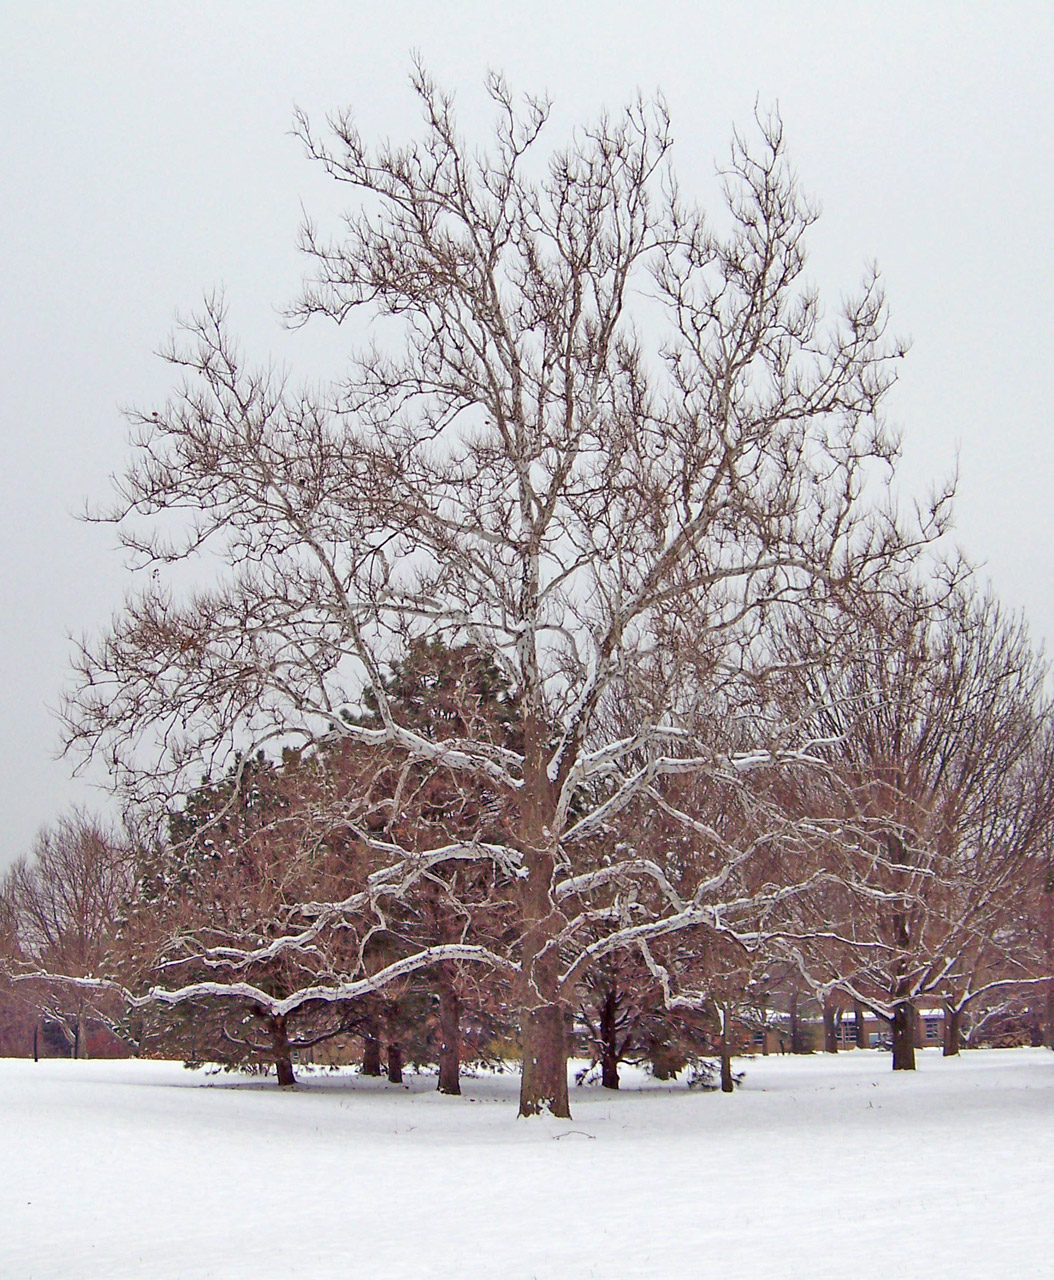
(594, 437)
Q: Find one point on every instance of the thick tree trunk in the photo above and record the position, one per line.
(281, 1051)
(830, 1028)
(393, 1043)
(796, 1045)
(861, 1025)
(371, 1047)
(543, 1084)
(953, 1026)
(449, 1035)
(903, 1031)
(395, 1062)
(609, 1040)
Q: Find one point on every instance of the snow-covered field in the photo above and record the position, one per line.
(816, 1167)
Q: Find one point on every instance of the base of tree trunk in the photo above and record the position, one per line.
(728, 1084)
(953, 1019)
(797, 1043)
(903, 1031)
(371, 1056)
(282, 1052)
(609, 1039)
(449, 1077)
(395, 1063)
(830, 1028)
(543, 1084)
(860, 1025)
(449, 1041)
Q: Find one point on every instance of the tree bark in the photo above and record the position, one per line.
(543, 1082)
(860, 1028)
(1048, 1015)
(281, 1051)
(903, 1031)
(830, 1029)
(609, 1039)
(449, 1034)
(724, 1048)
(796, 1045)
(395, 1062)
(371, 1048)
(953, 1024)
(393, 1043)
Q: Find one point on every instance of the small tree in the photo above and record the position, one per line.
(66, 901)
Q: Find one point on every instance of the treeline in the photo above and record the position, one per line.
(267, 918)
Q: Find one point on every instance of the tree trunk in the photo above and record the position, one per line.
(953, 1026)
(281, 1051)
(543, 1083)
(796, 1045)
(393, 1044)
(725, 1050)
(609, 1039)
(1048, 1016)
(395, 1062)
(903, 1031)
(449, 1034)
(830, 1029)
(371, 1048)
(860, 1029)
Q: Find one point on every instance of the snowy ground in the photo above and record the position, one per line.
(816, 1167)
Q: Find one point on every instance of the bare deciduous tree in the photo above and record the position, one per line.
(937, 731)
(65, 901)
(595, 438)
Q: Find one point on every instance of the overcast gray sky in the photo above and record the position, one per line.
(147, 158)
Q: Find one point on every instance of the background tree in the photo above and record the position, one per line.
(243, 856)
(934, 722)
(65, 902)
